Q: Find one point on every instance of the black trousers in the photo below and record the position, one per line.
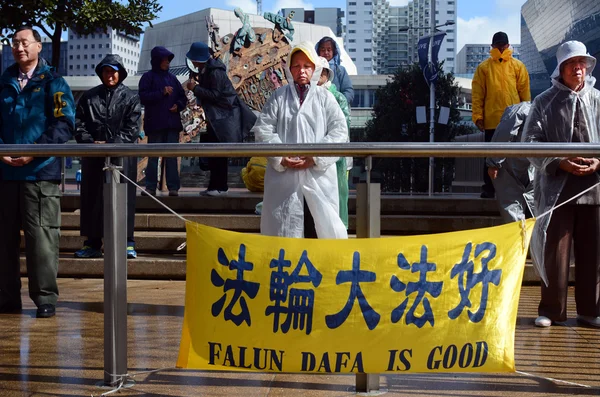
(488, 186)
(309, 223)
(217, 165)
(92, 199)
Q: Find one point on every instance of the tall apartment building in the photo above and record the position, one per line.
(471, 55)
(8, 59)
(380, 37)
(324, 16)
(85, 51)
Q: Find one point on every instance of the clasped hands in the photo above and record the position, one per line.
(580, 166)
(300, 163)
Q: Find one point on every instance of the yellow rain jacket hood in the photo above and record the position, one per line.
(499, 82)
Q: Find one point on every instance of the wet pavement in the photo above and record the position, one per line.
(63, 356)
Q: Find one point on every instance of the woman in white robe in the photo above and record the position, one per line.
(301, 112)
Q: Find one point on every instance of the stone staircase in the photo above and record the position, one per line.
(159, 233)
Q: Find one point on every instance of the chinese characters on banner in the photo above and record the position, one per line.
(445, 302)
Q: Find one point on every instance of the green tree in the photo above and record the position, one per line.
(85, 16)
(394, 120)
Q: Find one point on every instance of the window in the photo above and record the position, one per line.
(108, 36)
(352, 50)
(352, 41)
(367, 50)
(450, 12)
(85, 46)
(450, 49)
(368, 31)
(84, 56)
(368, 40)
(85, 66)
(352, 3)
(450, 31)
(70, 47)
(78, 56)
(352, 22)
(351, 31)
(93, 36)
(99, 56)
(70, 56)
(353, 59)
(91, 66)
(93, 56)
(93, 46)
(367, 59)
(368, 12)
(71, 37)
(450, 59)
(450, 41)
(368, 3)
(71, 66)
(351, 12)
(78, 46)
(78, 66)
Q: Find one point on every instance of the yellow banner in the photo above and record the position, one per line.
(445, 302)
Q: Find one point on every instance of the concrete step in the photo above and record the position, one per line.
(390, 224)
(241, 201)
(173, 267)
(146, 242)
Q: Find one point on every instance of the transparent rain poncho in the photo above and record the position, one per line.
(318, 120)
(551, 119)
(514, 183)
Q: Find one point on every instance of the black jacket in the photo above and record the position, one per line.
(108, 114)
(230, 118)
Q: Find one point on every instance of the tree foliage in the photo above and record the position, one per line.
(394, 120)
(52, 17)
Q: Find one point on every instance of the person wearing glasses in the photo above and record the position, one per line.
(36, 107)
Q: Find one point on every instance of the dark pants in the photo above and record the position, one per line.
(35, 208)
(92, 199)
(171, 169)
(580, 224)
(488, 186)
(216, 165)
(309, 223)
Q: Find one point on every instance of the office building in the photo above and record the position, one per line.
(471, 55)
(324, 16)
(85, 51)
(545, 24)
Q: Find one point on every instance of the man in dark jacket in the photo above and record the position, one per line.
(36, 106)
(108, 113)
(163, 98)
(227, 117)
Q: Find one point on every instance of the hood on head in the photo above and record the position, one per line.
(337, 57)
(157, 54)
(325, 65)
(113, 60)
(308, 49)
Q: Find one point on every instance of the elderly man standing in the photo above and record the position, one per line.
(107, 113)
(569, 111)
(499, 81)
(36, 106)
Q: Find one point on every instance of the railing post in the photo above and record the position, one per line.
(115, 277)
(368, 225)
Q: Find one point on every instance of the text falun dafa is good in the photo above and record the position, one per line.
(428, 303)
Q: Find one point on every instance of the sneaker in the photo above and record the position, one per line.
(150, 192)
(131, 253)
(543, 321)
(173, 193)
(88, 252)
(213, 193)
(589, 320)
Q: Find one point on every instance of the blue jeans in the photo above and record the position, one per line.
(172, 173)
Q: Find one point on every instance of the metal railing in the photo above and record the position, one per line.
(368, 204)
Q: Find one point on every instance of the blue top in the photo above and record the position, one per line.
(341, 80)
(43, 113)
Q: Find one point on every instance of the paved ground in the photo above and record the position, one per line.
(63, 356)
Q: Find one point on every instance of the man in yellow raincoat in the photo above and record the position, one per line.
(499, 81)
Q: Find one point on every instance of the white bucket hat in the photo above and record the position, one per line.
(325, 65)
(572, 49)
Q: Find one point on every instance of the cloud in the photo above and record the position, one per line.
(514, 5)
(398, 3)
(479, 30)
(248, 6)
(279, 4)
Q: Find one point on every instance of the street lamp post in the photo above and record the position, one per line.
(433, 29)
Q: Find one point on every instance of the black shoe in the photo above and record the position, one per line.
(489, 195)
(45, 311)
(11, 307)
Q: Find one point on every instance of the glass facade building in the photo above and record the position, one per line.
(545, 24)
